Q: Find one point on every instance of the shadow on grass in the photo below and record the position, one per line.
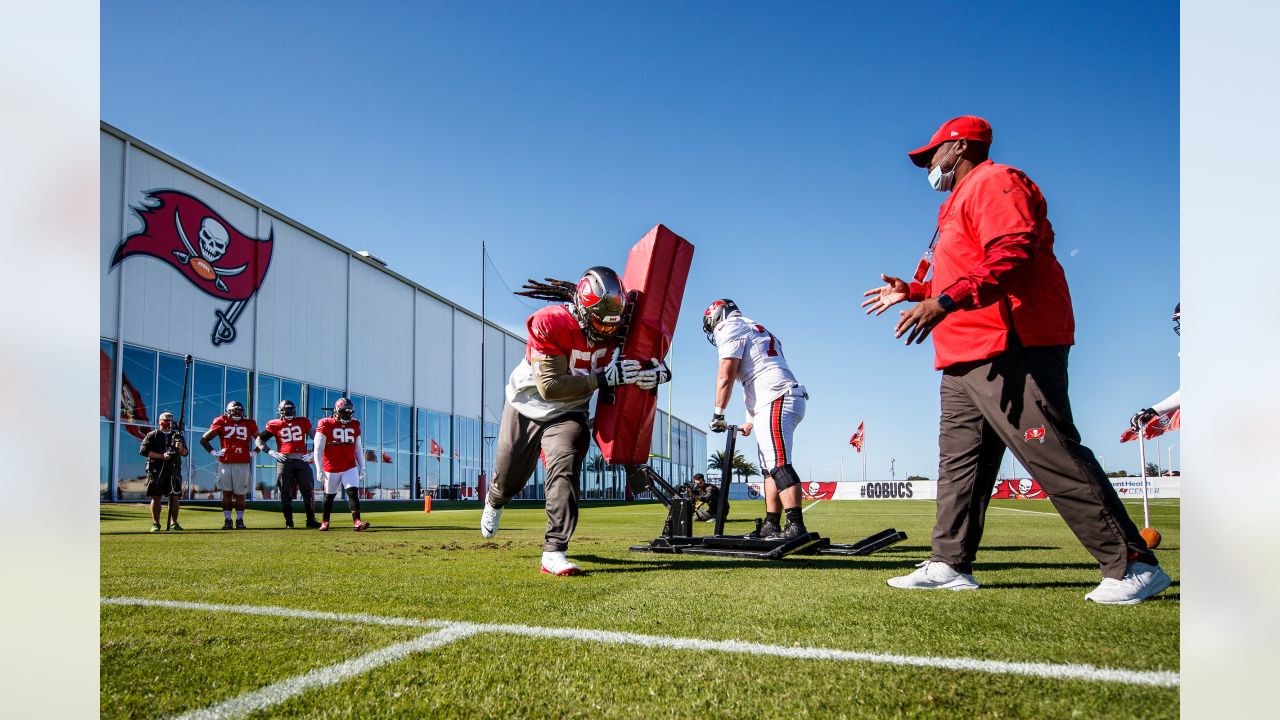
(983, 549)
(694, 562)
(280, 528)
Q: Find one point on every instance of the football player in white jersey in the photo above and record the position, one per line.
(775, 401)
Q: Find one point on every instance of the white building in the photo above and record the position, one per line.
(271, 309)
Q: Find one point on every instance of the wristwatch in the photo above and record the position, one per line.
(946, 303)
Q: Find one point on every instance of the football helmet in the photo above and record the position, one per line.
(344, 410)
(600, 304)
(715, 313)
(1177, 319)
(287, 409)
(235, 410)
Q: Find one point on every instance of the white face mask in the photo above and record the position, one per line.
(942, 181)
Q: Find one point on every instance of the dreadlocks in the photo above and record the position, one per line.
(552, 290)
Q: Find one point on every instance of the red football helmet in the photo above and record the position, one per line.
(599, 303)
(344, 410)
(715, 313)
(234, 410)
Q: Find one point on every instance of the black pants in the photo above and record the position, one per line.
(293, 476)
(1018, 400)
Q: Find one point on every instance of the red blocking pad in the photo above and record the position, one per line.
(657, 269)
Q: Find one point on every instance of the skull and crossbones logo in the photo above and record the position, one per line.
(214, 240)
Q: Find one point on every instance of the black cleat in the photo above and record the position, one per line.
(240, 525)
(764, 532)
(792, 531)
(226, 524)
(312, 525)
(288, 525)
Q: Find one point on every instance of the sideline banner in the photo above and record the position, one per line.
(1005, 489)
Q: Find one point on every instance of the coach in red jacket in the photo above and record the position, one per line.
(1000, 314)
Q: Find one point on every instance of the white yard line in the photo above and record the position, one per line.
(812, 504)
(1053, 671)
(242, 705)
(1033, 512)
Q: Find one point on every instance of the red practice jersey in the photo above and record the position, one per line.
(291, 435)
(554, 331)
(339, 444)
(235, 436)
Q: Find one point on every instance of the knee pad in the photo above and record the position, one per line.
(784, 477)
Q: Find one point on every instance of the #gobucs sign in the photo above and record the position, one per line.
(210, 252)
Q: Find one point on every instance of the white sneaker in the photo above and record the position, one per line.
(933, 575)
(489, 520)
(1140, 582)
(555, 563)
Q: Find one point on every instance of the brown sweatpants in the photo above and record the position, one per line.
(562, 442)
(1018, 400)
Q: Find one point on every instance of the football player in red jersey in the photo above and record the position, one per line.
(571, 352)
(293, 460)
(235, 470)
(339, 459)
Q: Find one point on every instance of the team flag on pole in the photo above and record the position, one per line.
(859, 436)
(436, 450)
(1157, 426)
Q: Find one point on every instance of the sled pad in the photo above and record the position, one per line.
(656, 271)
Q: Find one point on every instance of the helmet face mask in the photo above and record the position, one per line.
(343, 410)
(287, 409)
(600, 304)
(235, 410)
(715, 314)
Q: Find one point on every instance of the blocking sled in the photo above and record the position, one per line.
(677, 533)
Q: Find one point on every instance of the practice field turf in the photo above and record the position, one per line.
(421, 617)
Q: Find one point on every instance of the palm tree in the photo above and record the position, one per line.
(743, 468)
(715, 461)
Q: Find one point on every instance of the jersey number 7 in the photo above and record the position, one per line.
(774, 345)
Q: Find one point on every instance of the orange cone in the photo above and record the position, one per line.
(426, 504)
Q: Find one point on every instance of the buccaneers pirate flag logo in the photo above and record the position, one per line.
(209, 252)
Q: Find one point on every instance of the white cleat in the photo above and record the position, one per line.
(489, 520)
(555, 563)
(932, 575)
(1140, 582)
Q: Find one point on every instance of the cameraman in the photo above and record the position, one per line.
(709, 494)
(163, 448)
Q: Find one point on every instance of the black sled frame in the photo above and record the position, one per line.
(677, 533)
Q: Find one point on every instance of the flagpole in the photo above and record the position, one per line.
(841, 468)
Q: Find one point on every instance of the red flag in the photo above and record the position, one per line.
(1156, 426)
(436, 450)
(859, 436)
(386, 456)
(1035, 433)
(199, 243)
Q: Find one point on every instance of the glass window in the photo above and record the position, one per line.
(390, 425)
(106, 379)
(132, 483)
(291, 390)
(238, 389)
(104, 460)
(169, 385)
(402, 434)
(138, 385)
(268, 399)
(371, 422)
(206, 394)
(202, 475)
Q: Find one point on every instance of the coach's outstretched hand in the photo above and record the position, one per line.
(885, 296)
(920, 321)
(619, 372)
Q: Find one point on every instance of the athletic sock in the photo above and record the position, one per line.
(226, 514)
(774, 518)
(239, 515)
(328, 505)
(795, 516)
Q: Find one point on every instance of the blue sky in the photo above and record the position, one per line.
(771, 135)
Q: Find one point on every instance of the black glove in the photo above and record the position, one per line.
(718, 424)
(621, 372)
(1141, 418)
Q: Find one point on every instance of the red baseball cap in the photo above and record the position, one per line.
(969, 127)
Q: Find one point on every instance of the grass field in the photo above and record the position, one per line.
(467, 627)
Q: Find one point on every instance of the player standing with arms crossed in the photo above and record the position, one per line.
(293, 461)
(339, 458)
(234, 456)
(775, 399)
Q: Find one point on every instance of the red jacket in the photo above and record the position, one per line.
(994, 257)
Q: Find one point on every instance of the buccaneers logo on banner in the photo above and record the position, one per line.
(210, 252)
(819, 490)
